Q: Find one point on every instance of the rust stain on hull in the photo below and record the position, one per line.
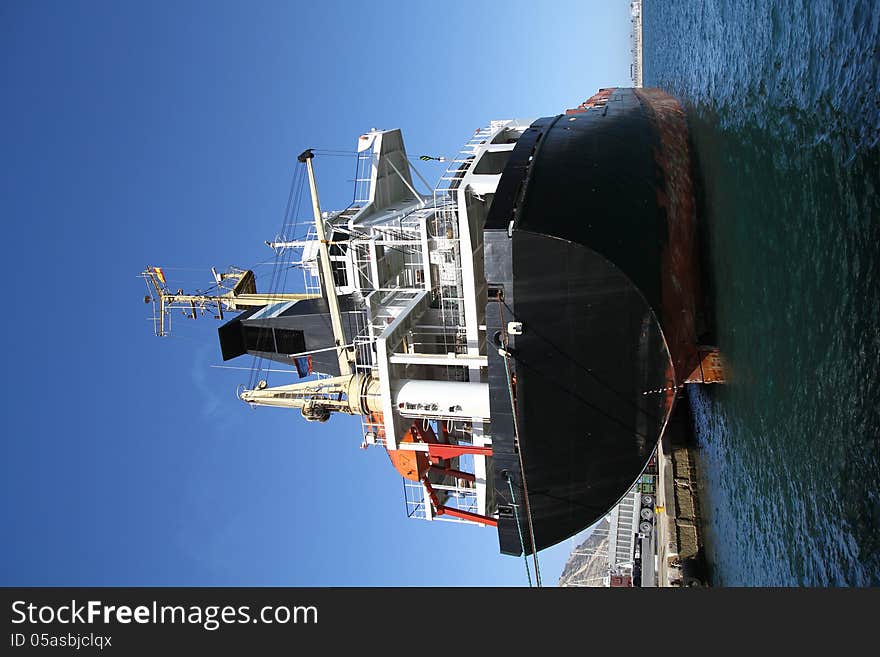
(711, 368)
(681, 271)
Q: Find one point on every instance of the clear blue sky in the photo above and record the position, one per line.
(166, 133)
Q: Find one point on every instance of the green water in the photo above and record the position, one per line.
(783, 108)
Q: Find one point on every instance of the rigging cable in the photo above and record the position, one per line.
(293, 199)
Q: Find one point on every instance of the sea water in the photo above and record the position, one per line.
(783, 101)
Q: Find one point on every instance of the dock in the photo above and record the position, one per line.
(678, 521)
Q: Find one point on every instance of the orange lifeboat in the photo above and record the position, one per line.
(411, 465)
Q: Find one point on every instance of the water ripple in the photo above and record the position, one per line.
(783, 110)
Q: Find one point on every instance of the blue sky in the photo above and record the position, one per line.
(166, 134)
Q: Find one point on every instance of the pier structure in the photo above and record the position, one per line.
(635, 36)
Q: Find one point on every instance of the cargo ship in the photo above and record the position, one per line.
(513, 339)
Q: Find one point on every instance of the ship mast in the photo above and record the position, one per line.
(242, 295)
(344, 355)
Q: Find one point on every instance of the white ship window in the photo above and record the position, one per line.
(340, 273)
(339, 244)
(491, 163)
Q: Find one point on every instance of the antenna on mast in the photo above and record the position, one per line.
(237, 290)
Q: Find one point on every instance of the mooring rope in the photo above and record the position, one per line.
(522, 543)
(505, 354)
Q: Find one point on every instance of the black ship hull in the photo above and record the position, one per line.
(589, 244)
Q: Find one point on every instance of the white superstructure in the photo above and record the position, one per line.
(414, 263)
